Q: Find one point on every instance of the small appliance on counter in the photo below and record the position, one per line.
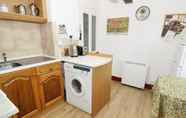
(76, 50)
(72, 47)
(80, 50)
(65, 51)
(73, 51)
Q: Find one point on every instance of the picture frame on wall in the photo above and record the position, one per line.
(118, 25)
(174, 27)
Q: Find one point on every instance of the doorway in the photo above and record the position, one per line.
(86, 31)
(89, 32)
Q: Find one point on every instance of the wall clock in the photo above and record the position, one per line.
(142, 13)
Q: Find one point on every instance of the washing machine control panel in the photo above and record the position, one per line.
(82, 68)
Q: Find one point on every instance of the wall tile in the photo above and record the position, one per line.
(20, 39)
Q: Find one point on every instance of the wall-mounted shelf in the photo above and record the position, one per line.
(13, 16)
(25, 18)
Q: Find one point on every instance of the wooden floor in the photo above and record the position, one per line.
(126, 102)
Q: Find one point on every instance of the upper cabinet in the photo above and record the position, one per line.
(33, 11)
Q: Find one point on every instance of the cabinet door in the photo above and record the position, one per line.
(52, 88)
(20, 90)
(10, 89)
(27, 102)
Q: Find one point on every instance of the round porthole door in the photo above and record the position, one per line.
(77, 87)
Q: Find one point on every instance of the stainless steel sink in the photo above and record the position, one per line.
(7, 65)
(23, 62)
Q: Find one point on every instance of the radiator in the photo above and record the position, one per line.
(134, 74)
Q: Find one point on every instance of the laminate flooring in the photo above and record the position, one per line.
(126, 102)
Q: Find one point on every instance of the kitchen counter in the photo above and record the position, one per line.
(90, 61)
(34, 61)
(7, 108)
(30, 62)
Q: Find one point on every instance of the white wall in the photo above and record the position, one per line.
(89, 7)
(65, 12)
(69, 12)
(143, 42)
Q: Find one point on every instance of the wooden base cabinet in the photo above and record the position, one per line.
(101, 87)
(51, 84)
(51, 88)
(21, 88)
(32, 90)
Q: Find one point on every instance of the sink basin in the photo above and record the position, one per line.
(33, 60)
(5, 66)
(23, 62)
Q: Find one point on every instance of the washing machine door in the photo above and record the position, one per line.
(77, 87)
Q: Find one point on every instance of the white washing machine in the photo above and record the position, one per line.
(78, 85)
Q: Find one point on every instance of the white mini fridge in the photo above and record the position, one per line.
(134, 74)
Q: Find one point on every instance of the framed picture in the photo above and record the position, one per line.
(118, 25)
(174, 27)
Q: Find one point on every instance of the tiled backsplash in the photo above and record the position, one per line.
(19, 39)
(47, 34)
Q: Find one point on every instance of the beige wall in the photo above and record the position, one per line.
(47, 39)
(19, 39)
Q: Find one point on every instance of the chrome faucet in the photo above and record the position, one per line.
(4, 57)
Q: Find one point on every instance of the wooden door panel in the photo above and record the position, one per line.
(27, 101)
(108, 75)
(19, 89)
(101, 87)
(51, 88)
(10, 88)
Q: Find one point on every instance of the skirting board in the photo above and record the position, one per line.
(147, 86)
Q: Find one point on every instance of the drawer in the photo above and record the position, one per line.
(24, 72)
(45, 69)
(45, 77)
